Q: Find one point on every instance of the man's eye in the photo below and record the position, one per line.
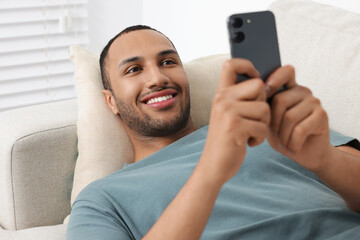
(168, 62)
(133, 69)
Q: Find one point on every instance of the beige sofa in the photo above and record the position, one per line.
(39, 144)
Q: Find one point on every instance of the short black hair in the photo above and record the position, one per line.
(104, 53)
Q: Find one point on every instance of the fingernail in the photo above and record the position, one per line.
(268, 90)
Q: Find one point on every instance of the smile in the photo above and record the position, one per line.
(159, 99)
(164, 99)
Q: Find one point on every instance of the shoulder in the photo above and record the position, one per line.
(94, 216)
(96, 190)
(95, 207)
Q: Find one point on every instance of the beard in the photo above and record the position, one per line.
(148, 127)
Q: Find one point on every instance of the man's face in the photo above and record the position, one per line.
(149, 84)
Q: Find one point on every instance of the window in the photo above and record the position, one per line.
(35, 36)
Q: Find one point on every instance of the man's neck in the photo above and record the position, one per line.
(145, 146)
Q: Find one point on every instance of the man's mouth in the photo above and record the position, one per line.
(161, 99)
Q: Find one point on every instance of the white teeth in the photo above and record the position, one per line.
(159, 99)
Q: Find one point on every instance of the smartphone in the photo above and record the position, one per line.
(253, 36)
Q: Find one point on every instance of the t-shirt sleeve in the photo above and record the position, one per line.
(91, 221)
(337, 139)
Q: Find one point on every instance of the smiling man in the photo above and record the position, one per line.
(187, 183)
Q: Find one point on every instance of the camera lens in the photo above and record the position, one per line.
(238, 37)
(236, 22)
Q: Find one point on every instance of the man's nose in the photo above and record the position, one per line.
(155, 78)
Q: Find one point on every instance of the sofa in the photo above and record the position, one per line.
(49, 152)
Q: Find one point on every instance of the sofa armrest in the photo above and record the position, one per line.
(57, 232)
(38, 150)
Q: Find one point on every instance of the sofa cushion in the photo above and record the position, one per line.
(103, 144)
(323, 43)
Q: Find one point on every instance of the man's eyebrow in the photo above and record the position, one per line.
(135, 59)
(166, 52)
(128, 60)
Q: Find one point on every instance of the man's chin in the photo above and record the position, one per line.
(162, 128)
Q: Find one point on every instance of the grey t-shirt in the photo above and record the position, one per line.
(270, 197)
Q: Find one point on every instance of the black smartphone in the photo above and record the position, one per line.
(253, 36)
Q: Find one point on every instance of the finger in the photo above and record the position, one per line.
(253, 89)
(250, 110)
(255, 132)
(313, 125)
(282, 76)
(232, 67)
(257, 111)
(284, 101)
(292, 117)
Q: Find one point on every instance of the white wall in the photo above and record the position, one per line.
(168, 17)
(197, 27)
(107, 18)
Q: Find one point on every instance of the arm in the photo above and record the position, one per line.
(342, 173)
(234, 121)
(300, 130)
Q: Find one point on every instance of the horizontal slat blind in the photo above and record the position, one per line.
(35, 36)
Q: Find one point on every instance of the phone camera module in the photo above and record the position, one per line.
(238, 37)
(236, 22)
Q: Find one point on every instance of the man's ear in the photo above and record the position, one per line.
(110, 101)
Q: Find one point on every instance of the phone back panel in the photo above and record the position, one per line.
(257, 41)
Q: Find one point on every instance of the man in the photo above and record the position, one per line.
(186, 183)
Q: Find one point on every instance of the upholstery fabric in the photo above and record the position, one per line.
(56, 232)
(103, 144)
(323, 43)
(37, 154)
(29, 154)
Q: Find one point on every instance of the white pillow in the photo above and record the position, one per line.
(323, 43)
(102, 141)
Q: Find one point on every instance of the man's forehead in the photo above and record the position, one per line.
(138, 43)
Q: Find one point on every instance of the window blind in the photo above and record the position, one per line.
(35, 36)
